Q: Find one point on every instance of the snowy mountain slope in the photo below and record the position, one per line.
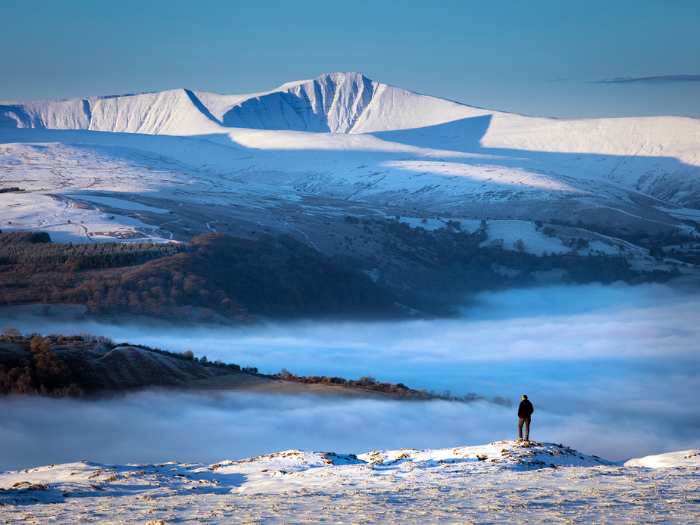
(335, 103)
(176, 112)
(343, 103)
(499, 483)
(342, 136)
(166, 172)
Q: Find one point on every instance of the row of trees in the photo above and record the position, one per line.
(370, 383)
(12, 335)
(37, 248)
(646, 239)
(188, 355)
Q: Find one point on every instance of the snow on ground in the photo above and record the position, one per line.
(119, 203)
(682, 459)
(503, 482)
(534, 241)
(67, 221)
(478, 173)
(682, 213)
(509, 232)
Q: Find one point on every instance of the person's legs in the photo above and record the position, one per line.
(520, 427)
(527, 429)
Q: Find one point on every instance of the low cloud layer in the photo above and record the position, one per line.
(151, 427)
(663, 79)
(612, 371)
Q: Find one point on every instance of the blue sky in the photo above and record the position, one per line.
(537, 57)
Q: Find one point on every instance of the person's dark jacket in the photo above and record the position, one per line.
(525, 409)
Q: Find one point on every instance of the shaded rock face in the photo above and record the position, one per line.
(331, 103)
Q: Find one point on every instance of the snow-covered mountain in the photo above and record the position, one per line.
(332, 103)
(351, 103)
(358, 142)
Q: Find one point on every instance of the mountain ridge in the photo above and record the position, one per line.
(350, 103)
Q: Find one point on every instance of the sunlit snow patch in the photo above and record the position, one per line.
(684, 458)
(491, 175)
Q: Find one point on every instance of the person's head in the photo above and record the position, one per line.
(524, 397)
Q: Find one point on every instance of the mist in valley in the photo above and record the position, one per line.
(612, 371)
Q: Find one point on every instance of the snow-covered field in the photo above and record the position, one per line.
(66, 220)
(504, 482)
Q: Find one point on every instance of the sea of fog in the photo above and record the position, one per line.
(612, 371)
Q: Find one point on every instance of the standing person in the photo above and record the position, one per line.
(525, 410)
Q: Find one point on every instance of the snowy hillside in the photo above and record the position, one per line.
(498, 483)
(335, 103)
(343, 103)
(176, 112)
(343, 140)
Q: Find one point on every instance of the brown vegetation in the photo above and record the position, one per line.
(370, 383)
(214, 275)
(33, 368)
(75, 365)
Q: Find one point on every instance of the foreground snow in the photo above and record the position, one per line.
(496, 483)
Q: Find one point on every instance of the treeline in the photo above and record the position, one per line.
(646, 239)
(365, 382)
(37, 248)
(370, 383)
(188, 355)
(653, 241)
(233, 278)
(216, 277)
(689, 256)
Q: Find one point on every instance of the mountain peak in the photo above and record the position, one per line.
(342, 76)
(332, 103)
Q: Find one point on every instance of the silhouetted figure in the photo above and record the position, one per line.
(525, 410)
